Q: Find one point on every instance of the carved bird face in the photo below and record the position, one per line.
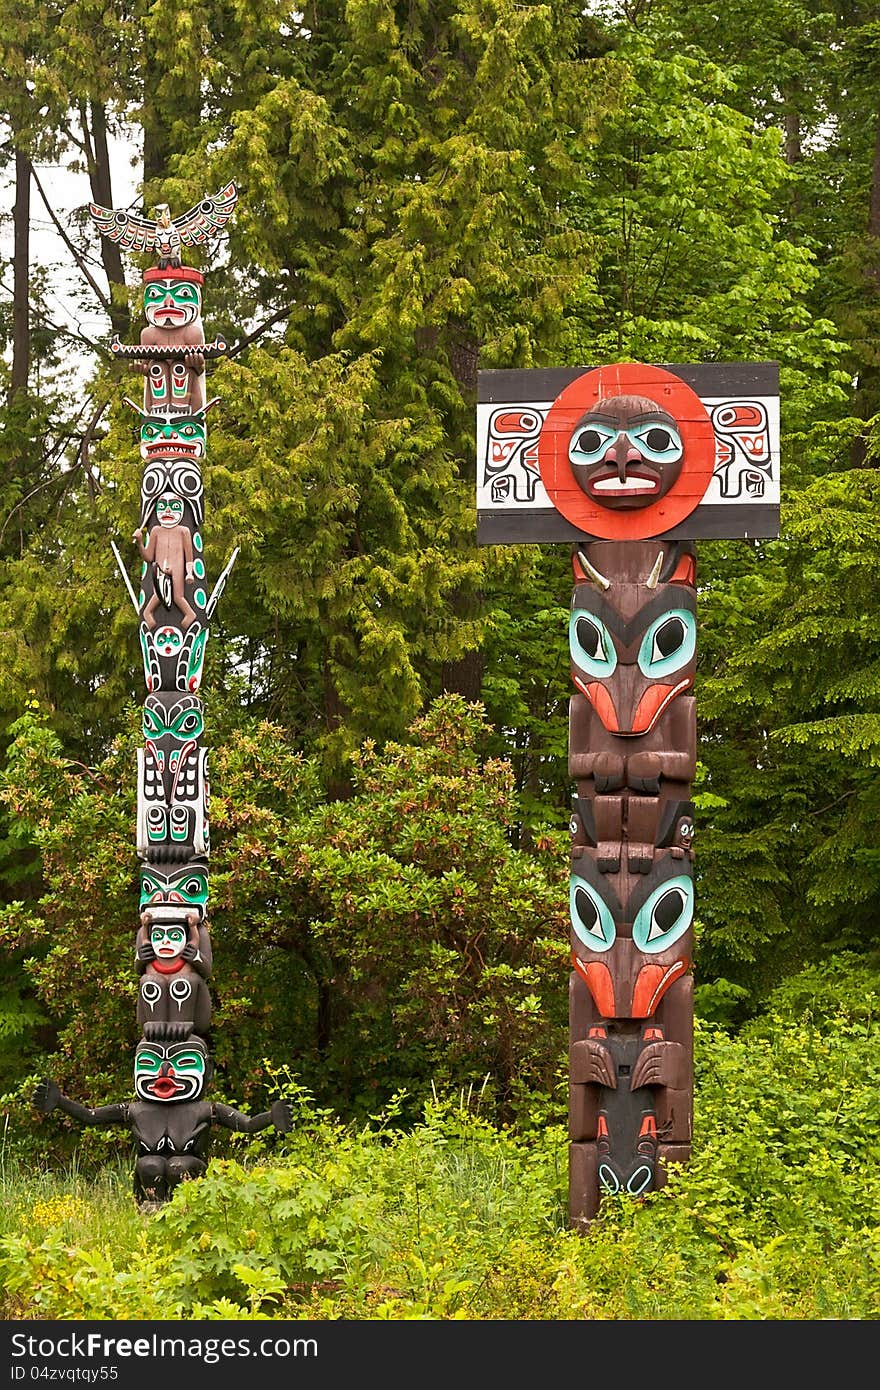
(626, 452)
(631, 934)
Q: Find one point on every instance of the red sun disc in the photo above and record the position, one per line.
(627, 379)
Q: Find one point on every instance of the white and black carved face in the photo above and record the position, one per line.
(180, 477)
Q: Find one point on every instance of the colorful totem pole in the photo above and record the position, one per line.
(170, 1119)
(631, 464)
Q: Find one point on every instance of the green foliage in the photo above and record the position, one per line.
(426, 190)
(454, 1217)
(377, 942)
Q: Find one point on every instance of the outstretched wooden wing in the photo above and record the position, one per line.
(133, 232)
(207, 217)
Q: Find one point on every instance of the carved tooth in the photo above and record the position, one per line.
(593, 573)
(655, 572)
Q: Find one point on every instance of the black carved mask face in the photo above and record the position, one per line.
(626, 452)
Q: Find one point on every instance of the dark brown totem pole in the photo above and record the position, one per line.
(631, 464)
(170, 1119)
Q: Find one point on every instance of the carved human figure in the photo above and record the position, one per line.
(170, 1121)
(173, 967)
(169, 549)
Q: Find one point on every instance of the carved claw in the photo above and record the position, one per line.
(46, 1096)
(640, 858)
(590, 1063)
(643, 772)
(282, 1115)
(661, 1064)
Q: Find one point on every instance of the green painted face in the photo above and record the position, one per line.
(169, 510)
(170, 1071)
(167, 940)
(171, 303)
(167, 640)
(184, 437)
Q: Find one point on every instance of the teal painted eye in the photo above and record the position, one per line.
(148, 1061)
(175, 936)
(657, 443)
(591, 920)
(608, 1179)
(590, 443)
(590, 644)
(640, 1180)
(669, 643)
(665, 916)
(194, 888)
(188, 1061)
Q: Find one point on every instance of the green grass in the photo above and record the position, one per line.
(775, 1217)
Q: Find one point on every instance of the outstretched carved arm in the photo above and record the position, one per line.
(281, 1116)
(48, 1097)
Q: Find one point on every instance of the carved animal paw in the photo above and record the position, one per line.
(590, 1063)
(661, 1064)
(640, 858)
(608, 856)
(643, 772)
(608, 772)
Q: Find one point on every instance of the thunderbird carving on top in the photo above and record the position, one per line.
(163, 234)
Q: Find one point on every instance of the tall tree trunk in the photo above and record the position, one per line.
(98, 154)
(21, 315)
(339, 784)
(874, 205)
(866, 399)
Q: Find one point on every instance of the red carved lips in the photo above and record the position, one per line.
(172, 313)
(165, 1087)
